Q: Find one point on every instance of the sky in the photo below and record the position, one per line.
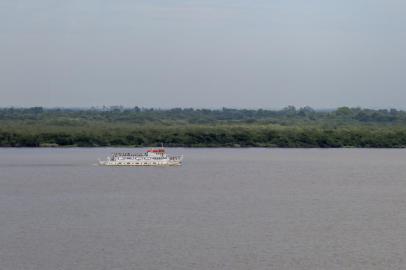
(203, 53)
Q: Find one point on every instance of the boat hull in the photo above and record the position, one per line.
(139, 164)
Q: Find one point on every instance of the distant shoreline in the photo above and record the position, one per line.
(190, 147)
(226, 128)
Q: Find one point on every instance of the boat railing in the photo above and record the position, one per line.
(128, 155)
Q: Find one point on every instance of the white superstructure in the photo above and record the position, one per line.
(152, 157)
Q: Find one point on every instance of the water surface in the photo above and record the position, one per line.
(223, 209)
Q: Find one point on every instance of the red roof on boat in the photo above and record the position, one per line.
(156, 150)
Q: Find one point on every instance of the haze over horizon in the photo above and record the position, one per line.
(203, 54)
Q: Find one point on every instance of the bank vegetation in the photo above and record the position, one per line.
(118, 126)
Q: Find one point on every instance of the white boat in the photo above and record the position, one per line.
(152, 157)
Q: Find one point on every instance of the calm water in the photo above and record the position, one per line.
(224, 209)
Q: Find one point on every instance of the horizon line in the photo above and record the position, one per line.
(123, 107)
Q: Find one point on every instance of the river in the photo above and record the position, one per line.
(223, 209)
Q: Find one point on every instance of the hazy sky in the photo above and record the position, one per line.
(203, 53)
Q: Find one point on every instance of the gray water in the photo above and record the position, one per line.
(223, 209)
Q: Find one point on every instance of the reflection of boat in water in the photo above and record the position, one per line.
(152, 157)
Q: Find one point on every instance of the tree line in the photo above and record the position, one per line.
(118, 126)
